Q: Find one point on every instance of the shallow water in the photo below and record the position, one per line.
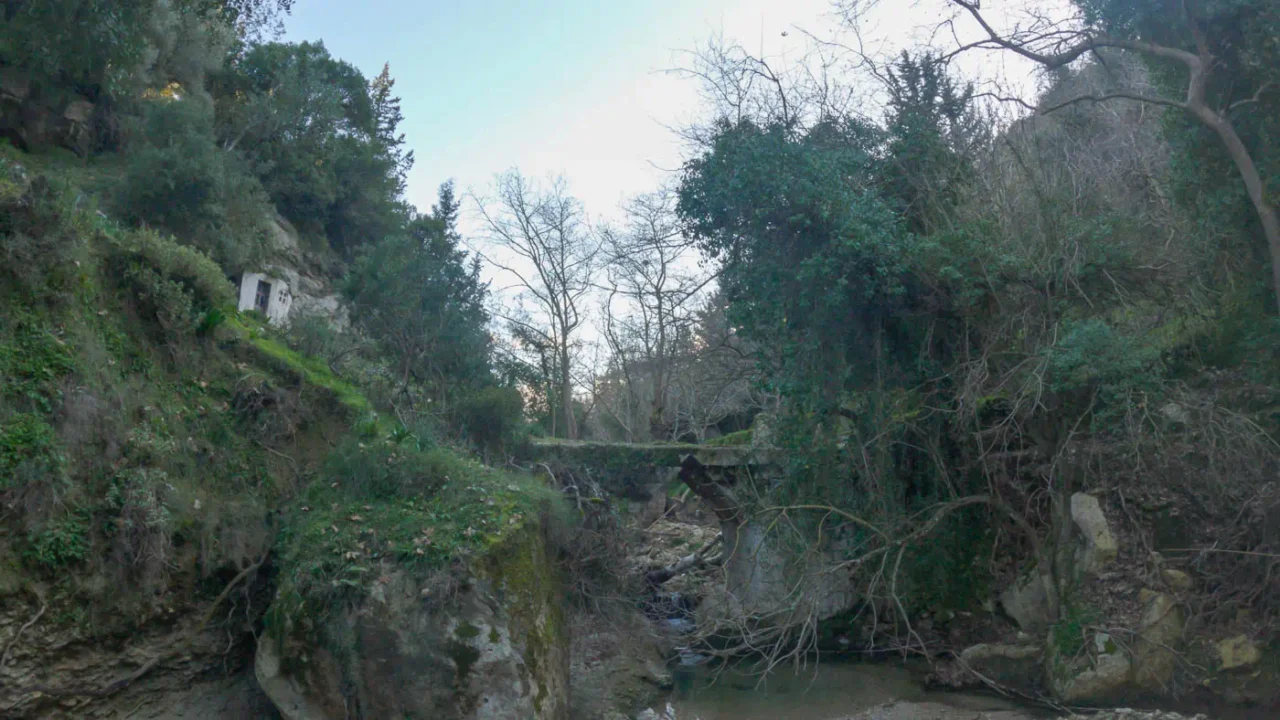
(826, 692)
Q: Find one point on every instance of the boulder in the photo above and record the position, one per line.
(617, 665)
(668, 713)
(1027, 602)
(1238, 652)
(1177, 580)
(1248, 674)
(14, 84)
(1094, 675)
(493, 647)
(1098, 545)
(1016, 666)
(79, 111)
(1159, 634)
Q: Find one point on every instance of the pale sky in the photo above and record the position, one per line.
(560, 86)
(573, 87)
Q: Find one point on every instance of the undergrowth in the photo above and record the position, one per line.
(380, 500)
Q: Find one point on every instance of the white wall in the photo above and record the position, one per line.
(279, 303)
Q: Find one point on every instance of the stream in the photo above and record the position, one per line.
(829, 691)
(840, 690)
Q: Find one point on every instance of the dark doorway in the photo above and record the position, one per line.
(264, 296)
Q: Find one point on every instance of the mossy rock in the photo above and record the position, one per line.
(484, 638)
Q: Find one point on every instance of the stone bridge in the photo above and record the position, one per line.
(643, 473)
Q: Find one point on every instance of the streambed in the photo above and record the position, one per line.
(828, 691)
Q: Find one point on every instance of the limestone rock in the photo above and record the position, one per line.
(79, 111)
(1015, 666)
(1238, 652)
(1177, 580)
(287, 693)
(14, 84)
(1155, 651)
(668, 713)
(495, 647)
(762, 430)
(617, 665)
(1099, 546)
(1092, 677)
(1027, 602)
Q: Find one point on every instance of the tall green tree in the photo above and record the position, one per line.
(932, 133)
(420, 297)
(387, 117)
(310, 123)
(97, 45)
(1218, 59)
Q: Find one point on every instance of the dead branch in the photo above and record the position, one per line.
(685, 564)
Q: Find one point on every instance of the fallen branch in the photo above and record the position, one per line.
(684, 564)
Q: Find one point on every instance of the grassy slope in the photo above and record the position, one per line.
(169, 459)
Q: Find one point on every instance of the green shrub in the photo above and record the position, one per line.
(384, 469)
(1092, 357)
(315, 335)
(33, 361)
(27, 448)
(180, 180)
(60, 543)
(191, 267)
(41, 248)
(179, 287)
(211, 321)
(167, 300)
(1069, 635)
(492, 418)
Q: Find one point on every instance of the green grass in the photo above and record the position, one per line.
(338, 534)
(733, 439)
(314, 370)
(175, 446)
(95, 176)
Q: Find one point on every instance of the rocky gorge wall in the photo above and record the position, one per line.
(488, 641)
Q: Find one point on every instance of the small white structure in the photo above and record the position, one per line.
(268, 295)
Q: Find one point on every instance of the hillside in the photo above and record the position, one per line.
(172, 472)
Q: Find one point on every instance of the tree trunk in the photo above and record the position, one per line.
(566, 392)
(1253, 184)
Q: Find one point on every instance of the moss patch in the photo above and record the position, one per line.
(733, 439)
(448, 508)
(532, 595)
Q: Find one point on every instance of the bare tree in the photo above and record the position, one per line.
(1056, 43)
(739, 85)
(721, 378)
(648, 315)
(543, 234)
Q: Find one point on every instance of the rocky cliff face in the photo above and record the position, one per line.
(485, 639)
(54, 118)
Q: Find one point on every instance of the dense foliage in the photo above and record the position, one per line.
(949, 310)
(422, 299)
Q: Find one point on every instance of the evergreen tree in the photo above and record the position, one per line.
(931, 131)
(446, 211)
(387, 117)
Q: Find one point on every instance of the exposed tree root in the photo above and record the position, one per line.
(118, 685)
(4, 657)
